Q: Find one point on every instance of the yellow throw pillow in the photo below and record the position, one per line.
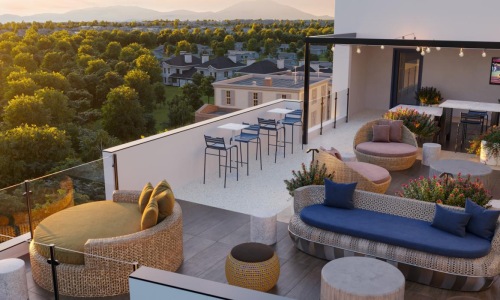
(165, 202)
(160, 187)
(150, 215)
(145, 195)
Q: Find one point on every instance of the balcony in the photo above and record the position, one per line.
(217, 218)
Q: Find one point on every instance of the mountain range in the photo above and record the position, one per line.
(257, 9)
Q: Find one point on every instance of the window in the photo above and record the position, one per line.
(201, 72)
(177, 71)
(255, 99)
(164, 70)
(283, 96)
(228, 97)
(168, 70)
(226, 74)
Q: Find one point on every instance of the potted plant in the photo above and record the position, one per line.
(428, 95)
(315, 175)
(487, 146)
(421, 124)
(446, 190)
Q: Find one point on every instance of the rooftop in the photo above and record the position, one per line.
(290, 82)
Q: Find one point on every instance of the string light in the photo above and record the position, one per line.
(418, 49)
(438, 48)
(483, 54)
(461, 54)
(358, 50)
(382, 47)
(428, 50)
(423, 52)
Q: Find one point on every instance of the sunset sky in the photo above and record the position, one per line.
(30, 7)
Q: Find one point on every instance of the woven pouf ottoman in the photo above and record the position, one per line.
(253, 266)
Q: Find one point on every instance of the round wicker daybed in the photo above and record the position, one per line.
(91, 275)
(392, 156)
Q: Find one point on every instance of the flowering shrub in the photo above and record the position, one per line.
(314, 176)
(422, 125)
(428, 95)
(449, 191)
(492, 138)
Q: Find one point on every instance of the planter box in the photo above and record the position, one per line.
(485, 157)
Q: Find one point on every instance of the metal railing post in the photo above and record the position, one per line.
(54, 263)
(322, 103)
(115, 169)
(347, 115)
(335, 112)
(313, 150)
(27, 194)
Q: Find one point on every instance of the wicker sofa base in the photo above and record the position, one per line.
(389, 163)
(413, 273)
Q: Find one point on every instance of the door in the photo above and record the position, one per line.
(406, 76)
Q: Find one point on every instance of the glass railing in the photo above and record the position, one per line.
(25, 205)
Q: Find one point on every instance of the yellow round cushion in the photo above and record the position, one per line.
(72, 227)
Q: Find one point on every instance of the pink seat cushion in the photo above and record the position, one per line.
(372, 172)
(387, 149)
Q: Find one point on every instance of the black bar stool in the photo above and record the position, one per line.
(467, 119)
(249, 135)
(294, 119)
(272, 128)
(218, 144)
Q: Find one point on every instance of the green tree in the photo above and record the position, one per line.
(26, 110)
(192, 94)
(122, 114)
(30, 151)
(53, 61)
(160, 93)
(229, 42)
(180, 112)
(91, 143)
(182, 46)
(252, 44)
(113, 50)
(206, 87)
(139, 81)
(24, 86)
(150, 65)
(26, 61)
(58, 105)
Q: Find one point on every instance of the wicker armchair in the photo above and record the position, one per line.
(160, 246)
(365, 134)
(345, 174)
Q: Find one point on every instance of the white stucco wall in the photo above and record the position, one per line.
(369, 74)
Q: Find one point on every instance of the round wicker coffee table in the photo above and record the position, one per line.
(361, 278)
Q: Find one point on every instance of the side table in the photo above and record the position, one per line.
(361, 278)
(464, 167)
(263, 227)
(430, 153)
(13, 282)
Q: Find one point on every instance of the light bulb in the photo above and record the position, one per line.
(358, 50)
(483, 54)
(418, 49)
(461, 54)
(333, 48)
(438, 48)
(423, 52)
(382, 47)
(428, 50)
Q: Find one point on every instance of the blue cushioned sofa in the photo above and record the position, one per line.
(398, 231)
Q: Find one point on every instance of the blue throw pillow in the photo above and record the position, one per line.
(450, 221)
(482, 221)
(339, 195)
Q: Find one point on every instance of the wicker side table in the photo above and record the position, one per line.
(361, 278)
(253, 266)
(13, 283)
(263, 227)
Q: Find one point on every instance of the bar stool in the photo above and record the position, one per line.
(483, 114)
(467, 119)
(294, 119)
(248, 135)
(218, 144)
(272, 129)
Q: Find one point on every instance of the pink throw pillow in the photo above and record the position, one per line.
(333, 152)
(381, 133)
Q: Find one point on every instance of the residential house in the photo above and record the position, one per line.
(318, 49)
(264, 67)
(254, 89)
(177, 69)
(220, 67)
(242, 56)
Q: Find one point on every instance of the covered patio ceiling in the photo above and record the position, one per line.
(352, 39)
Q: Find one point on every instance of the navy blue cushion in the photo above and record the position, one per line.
(339, 194)
(394, 230)
(482, 221)
(450, 221)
